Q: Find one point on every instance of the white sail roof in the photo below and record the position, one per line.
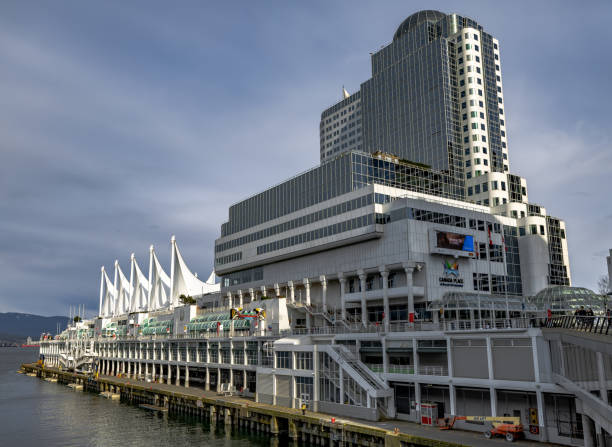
(183, 281)
(107, 295)
(124, 292)
(140, 288)
(159, 284)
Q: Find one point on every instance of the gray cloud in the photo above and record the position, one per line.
(122, 124)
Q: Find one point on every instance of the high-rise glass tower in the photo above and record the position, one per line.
(435, 97)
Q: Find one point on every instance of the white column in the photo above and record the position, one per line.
(291, 291)
(186, 376)
(324, 292)
(364, 306)
(315, 382)
(492, 392)
(306, 283)
(342, 280)
(601, 373)
(263, 291)
(384, 273)
(409, 268)
(385, 356)
(240, 303)
(229, 299)
(277, 290)
(341, 379)
(252, 294)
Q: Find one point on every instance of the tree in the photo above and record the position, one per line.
(603, 284)
(187, 299)
(77, 319)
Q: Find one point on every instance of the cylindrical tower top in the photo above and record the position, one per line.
(428, 15)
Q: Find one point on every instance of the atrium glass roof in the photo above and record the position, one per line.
(568, 299)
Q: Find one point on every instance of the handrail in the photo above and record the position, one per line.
(583, 323)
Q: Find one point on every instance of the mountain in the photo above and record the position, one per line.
(24, 325)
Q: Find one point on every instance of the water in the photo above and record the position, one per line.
(35, 412)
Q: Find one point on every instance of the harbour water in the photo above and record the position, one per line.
(35, 412)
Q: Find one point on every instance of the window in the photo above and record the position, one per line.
(521, 231)
(303, 360)
(477, 189)
(468, 163)
(283, 359)
(533, 229)
(485, 186)
(503, 186)
(469, 191)
(467, 151)
(542, 230)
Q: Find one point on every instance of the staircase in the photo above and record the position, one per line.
(349, 361)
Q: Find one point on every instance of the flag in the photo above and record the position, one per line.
(490, 240)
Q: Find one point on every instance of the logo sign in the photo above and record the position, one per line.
(451, 276)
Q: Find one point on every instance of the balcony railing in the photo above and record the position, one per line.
(584, 323)
(426, 370)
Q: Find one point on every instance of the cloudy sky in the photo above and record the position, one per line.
(122, 123)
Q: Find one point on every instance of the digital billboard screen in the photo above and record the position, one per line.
(454, 241)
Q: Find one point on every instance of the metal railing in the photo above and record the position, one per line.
(584, 323)
(425, 370)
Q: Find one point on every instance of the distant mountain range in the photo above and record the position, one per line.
(15, 326)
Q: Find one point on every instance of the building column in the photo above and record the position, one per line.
(409, 269)
(306, 283)
(324, 292)
(415, 356)
(244, 379)
(315, 382)
(342, 280)
(364, 305)
(601, 373)
(452, 394)
(207, 380)
(384, 274)
(169, 377)
(541, 416)
(263, 291)
(385, 355)
(252, 294)
(178, 375)
(186, 376)
(341, 379)
(588, 429)
(291, 291)
(229, 299)
(307, 303)
(153, 372)
(417, 398)
(276, 290)
(240, 298)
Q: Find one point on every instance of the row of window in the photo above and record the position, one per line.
(229, 258)
(330, 230)
(316, 216)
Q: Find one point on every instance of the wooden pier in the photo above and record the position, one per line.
(237, 412)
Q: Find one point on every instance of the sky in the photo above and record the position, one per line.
(123, 123)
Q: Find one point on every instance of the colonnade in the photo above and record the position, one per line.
(239, 297)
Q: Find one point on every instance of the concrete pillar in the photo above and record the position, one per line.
(493, 394)
(207, 380)
(541, 416)
(229, 299)
(240, 303)
(324, 292)
(452, 397)
(417, 398)
(218, 379)
(385, 355)
(315, 381)
(186, 376)
(277, 290)
(342, 280)
(588, 429)
(601, 373)
(169, 378)
(252, 294)
(384, 274)
(263, 291)
(306, 283)
(409, 269)
(178, 375)
(415, 355)
(291, 291)
(364, 305)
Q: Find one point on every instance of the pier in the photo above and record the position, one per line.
(237, 412)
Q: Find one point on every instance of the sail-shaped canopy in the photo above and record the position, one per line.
(108, 295)
(124, 292)
(140, 287)
(184, 282)
(159, 284)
